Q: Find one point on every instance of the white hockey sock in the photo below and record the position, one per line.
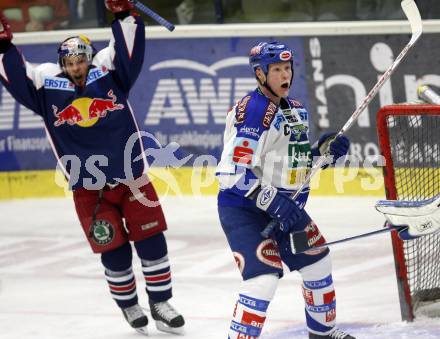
(250, 310)
(319, 296)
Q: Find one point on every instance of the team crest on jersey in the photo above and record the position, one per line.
(102, 232)
(271, 109)
(240, 110)
(269, 254)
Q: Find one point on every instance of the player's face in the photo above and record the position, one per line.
(278, 78)
(77, 68)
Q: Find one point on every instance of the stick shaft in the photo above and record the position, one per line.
(359, 236)
(153, 15)
(413, 16)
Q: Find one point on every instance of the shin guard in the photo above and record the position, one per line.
(250, 310)
(319, 296)
(122, 286)
(157, 275)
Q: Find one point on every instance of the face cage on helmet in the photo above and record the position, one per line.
(62, 60)
(88, 51)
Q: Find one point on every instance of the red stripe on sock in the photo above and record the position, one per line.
(123, 288)
(156, 278)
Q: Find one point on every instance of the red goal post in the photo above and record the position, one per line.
(409, 139)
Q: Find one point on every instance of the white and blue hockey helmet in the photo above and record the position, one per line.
(266, 53)
(74, 46)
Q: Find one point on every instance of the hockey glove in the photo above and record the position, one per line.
(420, 217)
(338, 147)
(280, 207)
(117, 6)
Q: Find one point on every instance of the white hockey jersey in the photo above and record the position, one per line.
(264, 144)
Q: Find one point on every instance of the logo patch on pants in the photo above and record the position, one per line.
(102, 232)
(149, 225)
(239, 260)
(268, 253)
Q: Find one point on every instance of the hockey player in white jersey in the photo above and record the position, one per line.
(265, 157)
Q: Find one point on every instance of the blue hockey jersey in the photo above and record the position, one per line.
(264, 144)
(87, 127)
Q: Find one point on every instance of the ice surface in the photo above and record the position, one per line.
(52, 286)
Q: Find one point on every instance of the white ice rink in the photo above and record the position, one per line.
(52, 286)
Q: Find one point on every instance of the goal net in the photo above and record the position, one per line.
(409, 138)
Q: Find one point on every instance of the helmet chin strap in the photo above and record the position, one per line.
(270, 88)
(265, 84)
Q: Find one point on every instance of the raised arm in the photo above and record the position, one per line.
(125, 53)
(16, 74)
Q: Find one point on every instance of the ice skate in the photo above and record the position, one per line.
(136, 318)
(336, 334)
(166, 317)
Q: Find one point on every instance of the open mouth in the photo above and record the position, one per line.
(285, 85)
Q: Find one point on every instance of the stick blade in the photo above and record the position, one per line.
(414, 18)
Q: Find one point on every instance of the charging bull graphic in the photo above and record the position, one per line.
(85, 112)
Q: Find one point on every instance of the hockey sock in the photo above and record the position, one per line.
(250, 310)
(122, 287)
(155, 266)
(157, 276)
(319, 296)
(119, 275)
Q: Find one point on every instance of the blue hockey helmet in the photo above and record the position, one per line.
(266, 53)
(74, 46)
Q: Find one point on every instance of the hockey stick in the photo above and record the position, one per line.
(299, 247)
(413, 16)
(153, 15)
(402, 208)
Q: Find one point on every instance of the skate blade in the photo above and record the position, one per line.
(142, 330)
(174, 330)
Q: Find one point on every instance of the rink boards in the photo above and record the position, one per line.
(193, 76)
(190, 181)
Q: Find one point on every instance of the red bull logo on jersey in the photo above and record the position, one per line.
(86, 112)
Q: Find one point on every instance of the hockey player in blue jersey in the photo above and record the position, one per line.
(265, 158)
(83, 102)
